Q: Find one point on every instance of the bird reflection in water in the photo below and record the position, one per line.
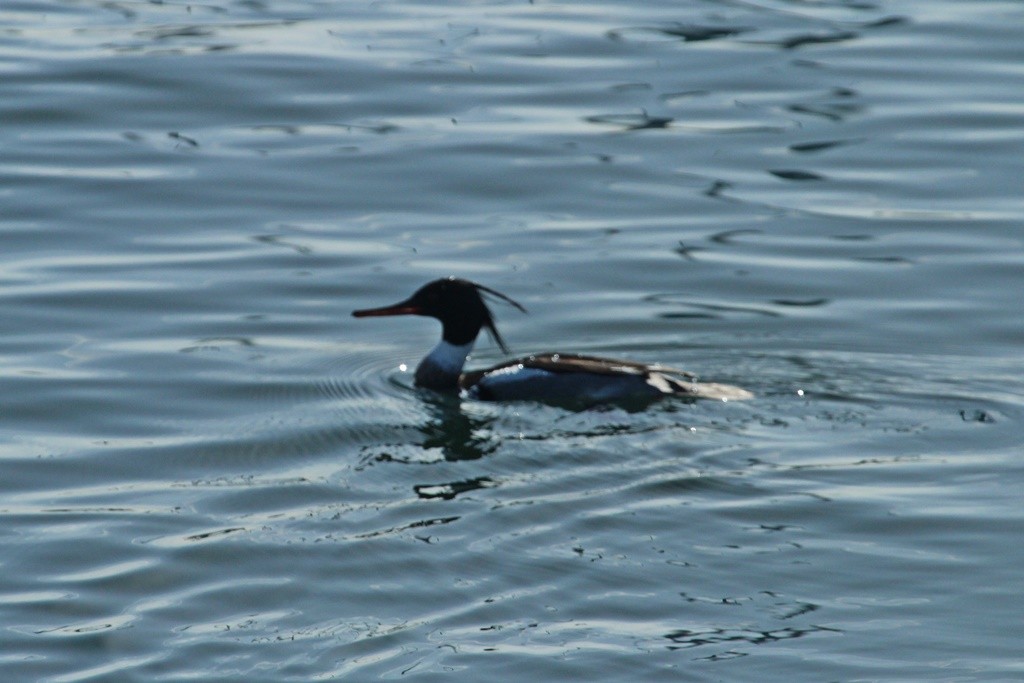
(457, 435)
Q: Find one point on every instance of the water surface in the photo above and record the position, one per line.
(212, 472)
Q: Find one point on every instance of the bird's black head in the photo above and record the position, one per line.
(459, 305)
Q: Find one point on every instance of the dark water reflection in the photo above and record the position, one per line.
(458, 435)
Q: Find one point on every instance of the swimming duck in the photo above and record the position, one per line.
(547, 377)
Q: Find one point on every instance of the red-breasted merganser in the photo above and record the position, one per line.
(544, 377)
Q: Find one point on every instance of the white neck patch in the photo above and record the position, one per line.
(447, 357)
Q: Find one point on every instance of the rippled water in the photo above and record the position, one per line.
(212, 472)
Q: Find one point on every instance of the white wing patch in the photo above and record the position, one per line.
(517, 382)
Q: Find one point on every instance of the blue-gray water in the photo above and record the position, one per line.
(210, 471)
